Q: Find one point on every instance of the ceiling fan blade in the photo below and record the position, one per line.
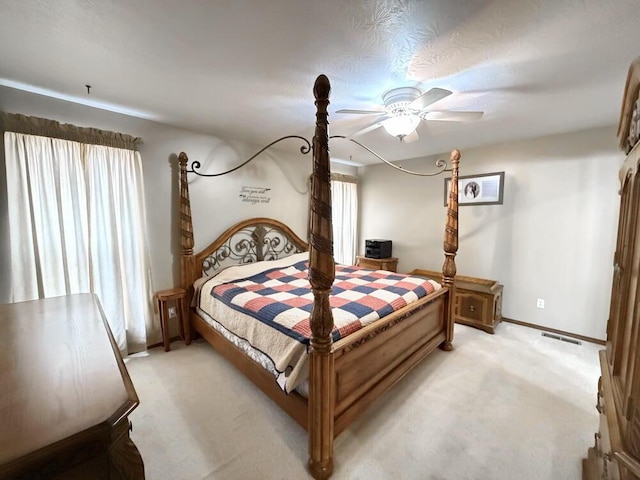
(427, 98)
(412, 137)
(451, 116)
(367, 129)
(361, 112)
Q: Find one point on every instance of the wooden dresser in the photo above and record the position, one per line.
(477, 302)
(390, 264)
(65, 394)
(616, 450)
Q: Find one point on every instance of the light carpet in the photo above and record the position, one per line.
(514, 405)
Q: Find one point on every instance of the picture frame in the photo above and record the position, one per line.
(481, 189)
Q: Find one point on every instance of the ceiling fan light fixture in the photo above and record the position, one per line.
(403, 95)
(401, 125)
(406, 107)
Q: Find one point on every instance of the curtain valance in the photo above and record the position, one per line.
(14, 122)
(339, 177)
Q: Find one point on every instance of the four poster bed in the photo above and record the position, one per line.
(348, 367)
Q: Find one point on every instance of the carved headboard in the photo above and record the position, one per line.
(250, 241)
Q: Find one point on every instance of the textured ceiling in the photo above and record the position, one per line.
(244, 69)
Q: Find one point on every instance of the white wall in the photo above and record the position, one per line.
(553, 238)
(215, 202)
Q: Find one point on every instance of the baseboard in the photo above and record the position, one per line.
(553, 330)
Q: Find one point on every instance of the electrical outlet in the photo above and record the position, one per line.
(540, 303)
(172, 312)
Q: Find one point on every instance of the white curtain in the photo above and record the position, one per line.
(344, 201)
(77, 224)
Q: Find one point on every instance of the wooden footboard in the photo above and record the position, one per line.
(371, 361)
(367, 363)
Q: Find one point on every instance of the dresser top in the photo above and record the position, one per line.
(60, 373)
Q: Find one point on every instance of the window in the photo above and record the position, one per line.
(344, 201)
(77, 222)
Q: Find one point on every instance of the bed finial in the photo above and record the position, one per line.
(451, 246)
(321, 276)
(321, 88)
(187, 261)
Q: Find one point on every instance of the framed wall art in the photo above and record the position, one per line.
(482, 189)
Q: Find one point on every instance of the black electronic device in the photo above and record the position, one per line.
(377, 248)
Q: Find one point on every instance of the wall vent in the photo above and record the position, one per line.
(561, 338)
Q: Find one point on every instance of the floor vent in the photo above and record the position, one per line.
(561, 338)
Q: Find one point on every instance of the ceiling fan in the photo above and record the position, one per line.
(405, 107)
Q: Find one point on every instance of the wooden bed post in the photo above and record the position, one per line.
(321, 276)
(187, 261)
(450, 248)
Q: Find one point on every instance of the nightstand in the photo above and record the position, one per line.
(171, 305)
(390, 264)
(477, 302)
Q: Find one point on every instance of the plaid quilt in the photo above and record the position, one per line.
(278, 295)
